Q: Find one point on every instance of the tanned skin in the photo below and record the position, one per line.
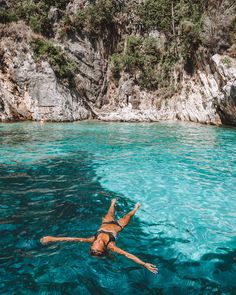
(100, 243)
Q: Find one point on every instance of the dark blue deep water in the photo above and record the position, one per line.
(58, 179)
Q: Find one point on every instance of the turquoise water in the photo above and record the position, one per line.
(58, 179)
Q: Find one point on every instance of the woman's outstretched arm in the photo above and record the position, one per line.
(148, 266)
(49, 239)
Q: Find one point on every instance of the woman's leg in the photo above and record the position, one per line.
(125, 220)
(110, 213)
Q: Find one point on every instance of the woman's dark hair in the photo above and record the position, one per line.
(98, 253)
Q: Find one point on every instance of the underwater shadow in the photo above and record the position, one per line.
(63, 196)
(56, 196)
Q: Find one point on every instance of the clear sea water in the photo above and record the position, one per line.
(58, 179)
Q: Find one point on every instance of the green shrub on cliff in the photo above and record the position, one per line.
(139, 57)
(166, 15)
(96, 17)
(156, 14)
(180, 20)
(7, 16)
(61, 4)
(134, 43)
(64, 68)
(226, 61)
(34, 12)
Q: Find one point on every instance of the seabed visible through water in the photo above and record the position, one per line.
(58, 179)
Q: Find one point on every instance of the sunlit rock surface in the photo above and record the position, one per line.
(30, 90)
(207, 97)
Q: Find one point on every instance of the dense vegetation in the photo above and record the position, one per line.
(140, 58)
(35, 13)
(186, 25)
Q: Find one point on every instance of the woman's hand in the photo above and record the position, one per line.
(46, 239)
(151, 267)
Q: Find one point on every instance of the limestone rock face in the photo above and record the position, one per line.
(207, 97)
(92, 68)
(32, 91)
(226, 98)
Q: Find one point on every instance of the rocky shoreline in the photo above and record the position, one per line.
(31, 90)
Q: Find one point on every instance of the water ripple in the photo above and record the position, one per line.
(58, 179)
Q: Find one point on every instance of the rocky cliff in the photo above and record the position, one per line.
(100, 72)
(209, 96)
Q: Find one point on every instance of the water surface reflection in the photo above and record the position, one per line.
(58, 179)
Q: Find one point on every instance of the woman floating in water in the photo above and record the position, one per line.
(105, 237)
